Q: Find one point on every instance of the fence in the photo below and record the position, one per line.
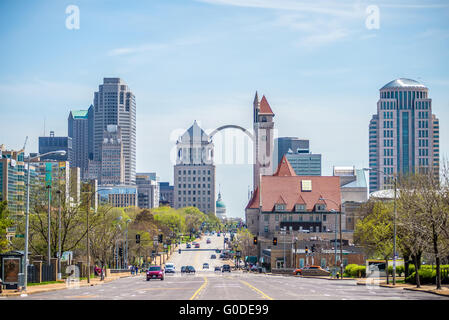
(47, 273)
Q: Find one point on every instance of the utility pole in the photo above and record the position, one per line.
(49, 225)
(341, 249)
(87, 230)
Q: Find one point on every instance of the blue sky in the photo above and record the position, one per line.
(316, 61)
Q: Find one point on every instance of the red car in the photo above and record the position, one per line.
(155, 272)
(197, 245)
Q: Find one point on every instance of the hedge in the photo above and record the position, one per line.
(354, 270)
(428, 276)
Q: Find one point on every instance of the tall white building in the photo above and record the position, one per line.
(194, 172)
(403, 134)
(114, 104)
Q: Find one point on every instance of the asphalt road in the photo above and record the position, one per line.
(210, 285)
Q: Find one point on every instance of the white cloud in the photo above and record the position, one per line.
(149, 47)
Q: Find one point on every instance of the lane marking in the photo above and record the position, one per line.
(200, 289)
(257, 290)
(81, 297)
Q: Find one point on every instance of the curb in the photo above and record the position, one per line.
(428, 291)
(13, 294)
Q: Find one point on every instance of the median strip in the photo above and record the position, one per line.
(257, 290)
(200, 288)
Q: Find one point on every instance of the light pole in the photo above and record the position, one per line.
(48, 229)
(59, 236)
(283, 231)
(126, 244)
(341, 241)
(335, 242)
(394, 219)
(27, 213)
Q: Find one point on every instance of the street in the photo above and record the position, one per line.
(210, 285)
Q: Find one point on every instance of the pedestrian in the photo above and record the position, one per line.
(137, 270)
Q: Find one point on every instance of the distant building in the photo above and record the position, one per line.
(220, 207)
(166, 193)
(403, 134)
(194, 172)
(12, 180)
(288, 200)
(80, 130)
(284, 145)
(354, 192)
(305, 164)
(148, 190)
(121, 196)
(115, 104)
(52, 143)
(112, 157)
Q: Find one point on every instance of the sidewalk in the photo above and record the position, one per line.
(61, 286)
(406, 286)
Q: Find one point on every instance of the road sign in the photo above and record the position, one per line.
(19, 236)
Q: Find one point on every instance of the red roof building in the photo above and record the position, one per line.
(300, 202)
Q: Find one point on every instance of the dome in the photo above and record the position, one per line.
(403, 83)
(220, 204)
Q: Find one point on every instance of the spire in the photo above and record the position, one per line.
(265, 107)
(256, 99)
(285, 169)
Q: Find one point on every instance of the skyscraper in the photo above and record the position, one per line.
(263, 139)
(52, 143)
(194, 172)
(80, 128)
(115, 104)
(404, 134)
(112, 158)
(298, 154)
(148, 190)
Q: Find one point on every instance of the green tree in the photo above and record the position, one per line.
(5, 222)
(374, 231)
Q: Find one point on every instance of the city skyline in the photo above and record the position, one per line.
(215, 70)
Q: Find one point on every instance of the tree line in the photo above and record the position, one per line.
(422, 222)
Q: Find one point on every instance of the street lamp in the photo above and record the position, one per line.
(59, 236)
(27, 212)
(394, 219)
(126, 244)
(341, 241)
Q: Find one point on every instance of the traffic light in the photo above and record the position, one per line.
(137, 238)
(313, 248)
(120, 252)
(307, 250)
(255, 240)
(159, 238)
(275, 241)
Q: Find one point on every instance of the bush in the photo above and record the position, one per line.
(349, 270)
(428, 276)
(353, 270)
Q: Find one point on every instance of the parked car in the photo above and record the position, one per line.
(183, 269)
(155, 272)
(226, 268)
(205, 266)
(197, 245)
(213, 256)
(190, 269)
(217, 268)
(311, 271)
(188, 246)
(222, 256)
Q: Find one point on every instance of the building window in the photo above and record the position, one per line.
(300, 208)
(279, 207)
